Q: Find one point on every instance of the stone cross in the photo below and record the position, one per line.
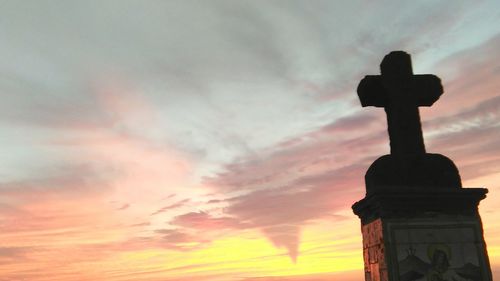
(400, 93)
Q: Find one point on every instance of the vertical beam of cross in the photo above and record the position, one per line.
(400, 93)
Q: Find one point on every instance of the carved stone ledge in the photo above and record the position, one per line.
(410, 203)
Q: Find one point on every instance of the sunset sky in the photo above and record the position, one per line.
(222, 140)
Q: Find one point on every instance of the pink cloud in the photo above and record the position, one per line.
(13, 254)
(332, 146)
(287, 236)
(477, 125)
(475, 78)
(171, 206)
(179, 240)
(69, 216)
(309, 178)
(204, 221)
(124, 207)
(321, 172)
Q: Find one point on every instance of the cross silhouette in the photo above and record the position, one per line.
(400, 93)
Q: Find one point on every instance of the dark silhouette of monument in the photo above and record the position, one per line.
(418, 223)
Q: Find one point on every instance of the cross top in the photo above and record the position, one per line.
(400, 93)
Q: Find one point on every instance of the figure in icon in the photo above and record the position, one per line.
(437, 268)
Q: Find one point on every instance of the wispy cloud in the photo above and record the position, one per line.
(171, 206)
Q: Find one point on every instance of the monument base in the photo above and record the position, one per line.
(423, 235)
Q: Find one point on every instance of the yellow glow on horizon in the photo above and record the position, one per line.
(250, 255)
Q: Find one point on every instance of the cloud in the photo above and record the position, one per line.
(140, 224)
(124, 207)
(465, 124)
(14, 253)
(287, 236)
(351, 123)
(320, 172)
(55, 205)
(172, 206)
(66, 179)
(281, 212)
(469, 77)
(308, 178)
(328, 147)
(179, 240)
(204, 221)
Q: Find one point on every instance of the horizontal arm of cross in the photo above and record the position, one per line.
(427, 88)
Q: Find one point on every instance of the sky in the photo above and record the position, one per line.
(222, 140)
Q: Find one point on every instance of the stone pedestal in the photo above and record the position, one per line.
(411, 235)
